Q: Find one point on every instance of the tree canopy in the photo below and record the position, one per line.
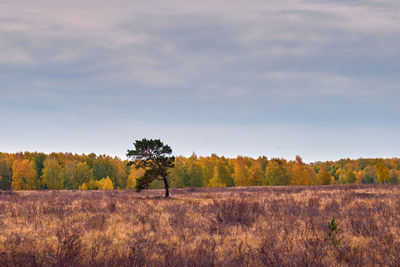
(154, 157)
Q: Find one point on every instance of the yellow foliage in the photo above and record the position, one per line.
(382, 172)
(107, 184)
(103, 184)
(221, 176)
(240, 175)
(133, 175)
(301, 173)
(52, 174)
(24, 175)
(323, 176)
(99, 184)
(91, 184)
(131, 183)
(83, 187)
(214, 183)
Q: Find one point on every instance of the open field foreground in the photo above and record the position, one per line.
(254, 226)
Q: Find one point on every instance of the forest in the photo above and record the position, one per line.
(59, 171)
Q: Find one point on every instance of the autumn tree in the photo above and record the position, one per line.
(67, 174)
(103, 166)
(154, 157)
(82, 174)
(323, 176)
(51, 176)
(5, 175)
(83, 187)
(350, 177)
(178, 174)
(103, 184)
(370, 175)
(134, 174)
(241, 172)
(72, 171)
(221, 176)
(256, 174)
(301, 173)
(193, 173)
(24, 175)
(38, 159)
(108, 184)
(276, 174)
(382, 172)
(120, 173)
(394, 176)
(208, 164)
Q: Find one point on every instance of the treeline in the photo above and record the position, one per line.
(33, 170)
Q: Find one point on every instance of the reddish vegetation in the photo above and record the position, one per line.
(253, 226)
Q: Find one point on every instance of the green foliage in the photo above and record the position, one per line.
(256, 174)
(152, 156)
(178, 175)
(194, 175)
(82, 174)
(222, 176)
(334, 233)
(369, 176)
(276, 174)
(350, 177)
(52, 174)
(103, 166)
(394, 176)
(5, 174)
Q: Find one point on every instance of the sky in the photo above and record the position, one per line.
(319, 79)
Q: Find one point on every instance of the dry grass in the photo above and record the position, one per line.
(255, 226)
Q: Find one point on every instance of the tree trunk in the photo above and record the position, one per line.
(166, 186)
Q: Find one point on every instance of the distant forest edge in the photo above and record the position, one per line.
(33, 170)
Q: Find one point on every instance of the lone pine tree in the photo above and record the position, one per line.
(154, 157)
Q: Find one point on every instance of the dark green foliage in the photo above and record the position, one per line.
(103, 167)
(38, 159)
(370, 176)
(152, 156)
(143, 182)
(334, 233)
(5, 176)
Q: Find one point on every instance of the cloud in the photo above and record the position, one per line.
(231, 63)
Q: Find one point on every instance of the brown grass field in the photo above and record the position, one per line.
(253, 226)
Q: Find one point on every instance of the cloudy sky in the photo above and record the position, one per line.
(277, 78)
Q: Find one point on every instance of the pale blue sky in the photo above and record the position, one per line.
(277, 78)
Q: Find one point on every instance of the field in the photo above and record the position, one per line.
(252, 226)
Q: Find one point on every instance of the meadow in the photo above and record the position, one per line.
(238, 226)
